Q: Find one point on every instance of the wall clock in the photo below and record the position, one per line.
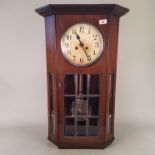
(81, 47)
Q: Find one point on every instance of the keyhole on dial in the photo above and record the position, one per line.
(86, 47)
(76, 48)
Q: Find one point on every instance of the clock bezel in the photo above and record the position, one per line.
(101, 51)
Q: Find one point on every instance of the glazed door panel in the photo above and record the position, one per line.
(81, 104)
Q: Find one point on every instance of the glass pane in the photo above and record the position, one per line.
(93, 127)
(69, 106)
(52, 124)
(109, 124)
(51, 83)
(84, 84)
(81, 127)
(94, 81)
(94, 105)
(111, 83)
(51, 91)
(52, 119)
(110, 103)
(69, 127)
(69, 84)
(51, 102)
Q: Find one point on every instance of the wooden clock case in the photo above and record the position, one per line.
(75, 131)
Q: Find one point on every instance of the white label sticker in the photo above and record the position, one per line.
(103, 21)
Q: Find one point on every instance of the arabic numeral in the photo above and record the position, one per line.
(73, 31)
(82, 29)
(69, 52)
(89, 58)
(81, 60)
(66, 44)
(68, 37)
(74, 57)
(95, 36)
(96, 44)
(89, 31)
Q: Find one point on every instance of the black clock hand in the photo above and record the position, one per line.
(78, 37)
(85, 52)
(81, 44)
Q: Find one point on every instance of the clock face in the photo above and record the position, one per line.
(82, 44)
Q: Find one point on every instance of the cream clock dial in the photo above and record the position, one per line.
(82, 44)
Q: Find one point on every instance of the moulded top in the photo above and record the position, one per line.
(52, 9)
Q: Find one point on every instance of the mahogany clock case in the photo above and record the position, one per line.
(81, 100)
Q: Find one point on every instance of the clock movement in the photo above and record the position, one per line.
(81, 49)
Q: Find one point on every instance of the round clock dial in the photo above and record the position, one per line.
(82, 44)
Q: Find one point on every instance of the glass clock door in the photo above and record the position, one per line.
(81, 104)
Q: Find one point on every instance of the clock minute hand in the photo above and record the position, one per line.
(81, 44)
(78, 37)
(85, 52)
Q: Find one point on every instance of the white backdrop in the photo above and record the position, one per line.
(23, 101)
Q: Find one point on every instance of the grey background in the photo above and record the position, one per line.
(23, 102)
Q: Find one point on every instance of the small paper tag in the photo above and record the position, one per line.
(103, 21)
